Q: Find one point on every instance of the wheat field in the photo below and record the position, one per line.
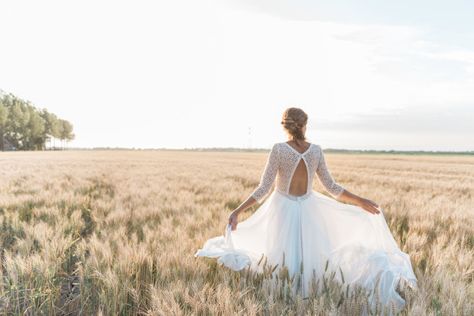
(114, 232)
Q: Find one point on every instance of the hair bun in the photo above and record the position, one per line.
(293, 120)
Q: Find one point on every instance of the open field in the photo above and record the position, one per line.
(114, 232)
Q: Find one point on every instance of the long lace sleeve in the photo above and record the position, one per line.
(326, 179)
(268, 176)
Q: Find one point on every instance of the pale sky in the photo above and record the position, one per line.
(219, 73)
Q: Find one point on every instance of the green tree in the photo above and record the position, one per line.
(65, 131)
(51, 124)
(3, 122)
(17, 121)
(34, 133)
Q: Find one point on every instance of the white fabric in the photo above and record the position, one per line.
(311, 229)
(281, 164)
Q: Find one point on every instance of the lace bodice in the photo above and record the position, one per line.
(281, 164)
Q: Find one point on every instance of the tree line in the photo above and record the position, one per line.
(26, 127)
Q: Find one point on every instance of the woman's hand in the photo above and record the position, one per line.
(369, 206)
(233, 219)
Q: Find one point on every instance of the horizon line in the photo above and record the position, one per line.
(246, 149)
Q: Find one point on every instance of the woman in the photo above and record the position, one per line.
(305, 230)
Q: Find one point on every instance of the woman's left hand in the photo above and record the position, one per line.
(369, 206)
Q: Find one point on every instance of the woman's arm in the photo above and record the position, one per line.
(338, 192)
(268, 175)
(234, 216)
(266, 182)
(366, 204)
(324, 176)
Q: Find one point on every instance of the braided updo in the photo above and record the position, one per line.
(293, 121)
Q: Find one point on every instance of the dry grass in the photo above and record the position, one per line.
(115, 232)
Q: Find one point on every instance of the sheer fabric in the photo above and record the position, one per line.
(305, 232)
(281, 164)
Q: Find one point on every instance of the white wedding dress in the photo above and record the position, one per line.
(311, 230)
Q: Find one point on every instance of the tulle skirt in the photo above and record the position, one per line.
(311, 233)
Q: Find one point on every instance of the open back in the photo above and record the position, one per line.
(299, 179)
(294, 171)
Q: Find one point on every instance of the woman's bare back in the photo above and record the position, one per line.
(299, 181)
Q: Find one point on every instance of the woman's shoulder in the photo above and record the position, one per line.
(286, 143)
(316, 147)
(285, 146)
(319, 149)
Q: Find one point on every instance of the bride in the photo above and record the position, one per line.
(306, 230)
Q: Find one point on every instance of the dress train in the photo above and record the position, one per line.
(312, 232)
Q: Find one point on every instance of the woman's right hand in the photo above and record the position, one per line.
(233, 219)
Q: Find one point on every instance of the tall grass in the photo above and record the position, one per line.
(114, 233)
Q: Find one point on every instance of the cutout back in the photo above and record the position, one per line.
(299, 179)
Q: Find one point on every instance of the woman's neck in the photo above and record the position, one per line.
(298, 142)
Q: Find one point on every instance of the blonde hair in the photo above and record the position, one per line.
(293, 121)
